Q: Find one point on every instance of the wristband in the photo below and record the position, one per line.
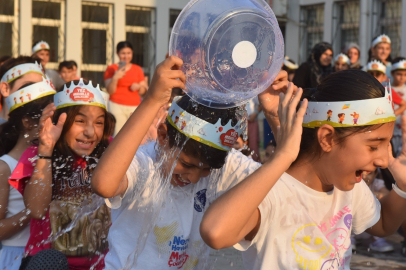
(44, 157)
(398, 191)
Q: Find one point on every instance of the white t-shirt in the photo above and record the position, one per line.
(174, 241)
(305, 229)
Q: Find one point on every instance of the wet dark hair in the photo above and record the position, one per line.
(4, 58)
(215, 158)
(67, 64)
(346, 85)
(62, 153)
(123, 44)
(12, 62)
(11, 130)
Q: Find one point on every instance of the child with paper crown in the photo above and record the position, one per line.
(40, 50)
(377, 69)
(159, 192)
(381, 50)
(341, 62)
(17, 134)
(54, 178)
(304, 219)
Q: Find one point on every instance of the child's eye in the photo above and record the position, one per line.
(186, 166)
(100, 123)
(373, 148)
(79, 121)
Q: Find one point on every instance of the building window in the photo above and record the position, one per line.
(346, 24)
(9, 27)
(387, 20)
(173, 15)
(97, 40)
(311, 29)
(140, 32)
(48, 23)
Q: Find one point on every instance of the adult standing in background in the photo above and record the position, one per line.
(316, 68)
(354, 53)
(125, 82)
(41, 50)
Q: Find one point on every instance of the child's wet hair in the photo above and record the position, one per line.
(215, 158)
(11, 130)
(346, 85)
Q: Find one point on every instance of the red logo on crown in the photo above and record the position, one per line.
(81, 94)
(375, 65)
(229, 138)
(404, 65)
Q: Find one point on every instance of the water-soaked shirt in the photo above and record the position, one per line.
(69, 195)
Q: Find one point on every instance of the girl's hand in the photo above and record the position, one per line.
(166, 77)
(397, 166)
(48, 132)
(269, 99)
(120, 73)
(290, 130)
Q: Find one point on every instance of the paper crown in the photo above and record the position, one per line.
(382, 38)
(42, 45)
(399, 65)
(351, 113)
(30, 93)
(20, 70)
(289, 64)
(376, 65)
(216, 136)
(342, 58)
(80, 94)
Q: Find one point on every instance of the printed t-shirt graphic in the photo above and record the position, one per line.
(302, 228)
(174, 241)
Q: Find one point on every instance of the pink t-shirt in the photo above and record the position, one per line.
(60, 214)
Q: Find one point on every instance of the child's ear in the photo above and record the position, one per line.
(325, 136)
(162, 133)
(4, 89)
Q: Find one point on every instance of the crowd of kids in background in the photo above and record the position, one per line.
(125, 88)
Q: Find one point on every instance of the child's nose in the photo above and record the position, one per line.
(89, 131)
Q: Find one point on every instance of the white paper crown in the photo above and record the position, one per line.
(216, 136)
(351, 113)
(289, 64)
(30, 93)
(376, 65)
(382, 38)
(342, 58)
(20, 70)
(399, 65)
(80, 94)
(42, 45)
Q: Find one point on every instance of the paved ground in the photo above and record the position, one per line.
(363, 258)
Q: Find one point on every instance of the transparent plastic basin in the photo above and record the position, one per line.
(232, 50)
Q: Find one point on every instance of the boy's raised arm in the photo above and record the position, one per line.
(235, 216)
(110, 171)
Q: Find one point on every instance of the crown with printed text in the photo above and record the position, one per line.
(80, 94)
(42, 45)
(351, 113)
(20, 70)
(381, 39)
(401, 65)
(214, 135)
(342, 58)
(30, 93)
(376, 65)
